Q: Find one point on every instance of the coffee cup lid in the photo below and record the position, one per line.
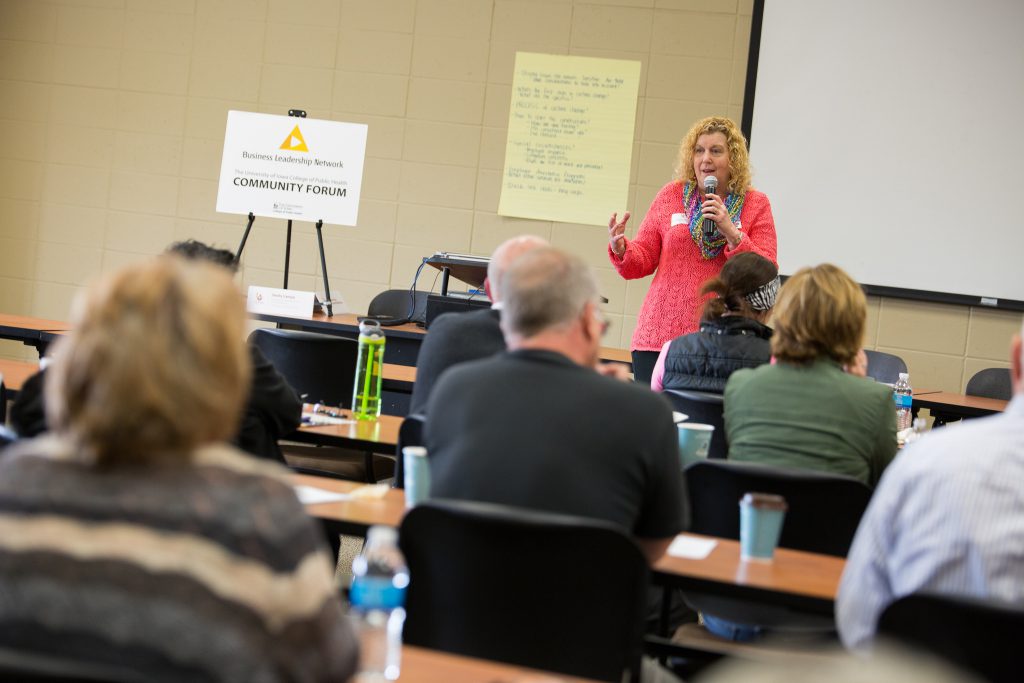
(768, 501)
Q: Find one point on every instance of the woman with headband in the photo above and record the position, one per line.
(733, 334)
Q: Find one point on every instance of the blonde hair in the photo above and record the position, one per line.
(155, 365)
(820, 312)
(739, 160)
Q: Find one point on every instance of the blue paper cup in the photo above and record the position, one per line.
(761, 519)
(694, 442)
(417, 475)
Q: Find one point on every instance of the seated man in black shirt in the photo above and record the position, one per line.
(271, 411)
(459, 337)
(539, 427)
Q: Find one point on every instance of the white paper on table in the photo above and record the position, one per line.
(691, 547)
(315, 419)
(310, 495)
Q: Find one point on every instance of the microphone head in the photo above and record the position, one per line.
(710, 184)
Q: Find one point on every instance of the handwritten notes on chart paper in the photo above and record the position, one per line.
(570, 138)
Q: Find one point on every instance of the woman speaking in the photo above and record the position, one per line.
(689, 232)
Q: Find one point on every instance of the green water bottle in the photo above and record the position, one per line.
(369, 371)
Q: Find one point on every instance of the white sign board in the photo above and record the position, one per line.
(288, 302)
(288, 167)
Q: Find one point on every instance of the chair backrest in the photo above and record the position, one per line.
(884, 367)
(824, 509)
(703, 408)
(991, 383)
(395, 303)
(565, 594)
(409, 434)
(977, 635)
(320, 367)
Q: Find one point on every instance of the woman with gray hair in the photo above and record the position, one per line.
(733, 333)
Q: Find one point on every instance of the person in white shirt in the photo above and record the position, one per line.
(947, 517)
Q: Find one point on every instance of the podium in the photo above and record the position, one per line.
(465, 267)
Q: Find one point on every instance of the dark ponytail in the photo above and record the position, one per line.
(741, 275)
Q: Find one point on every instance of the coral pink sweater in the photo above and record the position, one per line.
(673, 303)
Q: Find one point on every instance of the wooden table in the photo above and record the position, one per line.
(378, 436)
(29, 330)
(420, 665)
(946, 406)
(801, 580)
(399, 378)
(15, 372)
(353, 516)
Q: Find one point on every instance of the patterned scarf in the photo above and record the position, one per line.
(710, 246)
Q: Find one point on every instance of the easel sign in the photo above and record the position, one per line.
(292, 168)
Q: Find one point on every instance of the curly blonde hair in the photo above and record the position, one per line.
(739, 160)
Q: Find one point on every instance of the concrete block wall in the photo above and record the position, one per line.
(112, 118)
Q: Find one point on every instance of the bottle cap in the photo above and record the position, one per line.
(370, 328)
(905, 376)
(382, 534)
(418, 451)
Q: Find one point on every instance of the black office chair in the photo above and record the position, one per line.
(395, 303)
(554, 592)
(703, 408)
(824, 509)
(884, 367)
(409, 434)
(991, 383)
(320, 367)
(977, 635)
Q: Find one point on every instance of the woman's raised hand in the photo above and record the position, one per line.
(617, 233)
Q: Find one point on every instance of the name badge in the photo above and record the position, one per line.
(680, 219)
(279, 301)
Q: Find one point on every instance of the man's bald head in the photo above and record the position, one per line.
(507, 252)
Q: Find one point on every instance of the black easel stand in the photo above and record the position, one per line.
(328, 306)
(287, 253)
(245, 236)
(323, 267)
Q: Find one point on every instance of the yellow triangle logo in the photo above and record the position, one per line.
(295, 142)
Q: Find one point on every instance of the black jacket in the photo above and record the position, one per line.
(703, 361)
(272, 411)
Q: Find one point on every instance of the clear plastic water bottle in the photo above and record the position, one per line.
(379, 580)
(366, 392)
(902, 395)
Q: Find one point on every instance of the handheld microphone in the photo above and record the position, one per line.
(710, 187)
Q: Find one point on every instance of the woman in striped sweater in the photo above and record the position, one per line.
(133, 536)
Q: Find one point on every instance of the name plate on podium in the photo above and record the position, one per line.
(273, 301)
